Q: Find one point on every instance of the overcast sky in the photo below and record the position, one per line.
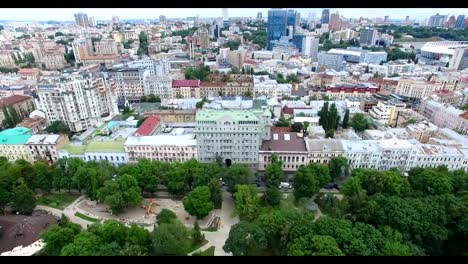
(66, 14)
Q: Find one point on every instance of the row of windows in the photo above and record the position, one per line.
(160, 148)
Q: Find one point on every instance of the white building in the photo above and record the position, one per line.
(75, 99)
(263, 85)
(445, 116)
(167, 148)
(158, 85)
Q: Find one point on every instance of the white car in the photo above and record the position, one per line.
(285, 185)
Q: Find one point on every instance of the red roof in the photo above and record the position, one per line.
(28, 71)
(185, 83)
(148, 126)
(14, 99)
(290, 110)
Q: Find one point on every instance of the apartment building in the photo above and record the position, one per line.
(45, 147)
(443, 115)
(323, 150)
(128, 83)
(12, 144)
(432, 156)
(106, 47)
(416, 88)
(174, 115)
(290, 148)
(22, 105)
(29, 74)
(422, 131)
(98, 149)
(233, 135)
(158, 85)
(107, 60)
(263, 85)
(6, 59)
(53, 59)
(223, 85)
(166, 148)
(386, 111)
(82, 47)
(186, 88)
(75, 99)
(342, 91)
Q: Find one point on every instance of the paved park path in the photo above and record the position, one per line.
(69, 211)
(218, 238)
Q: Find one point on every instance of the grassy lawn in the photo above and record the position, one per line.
(435, 38)
(85, 217)
(210, 229)
(208, 252)
(194, 247)
(57, 201)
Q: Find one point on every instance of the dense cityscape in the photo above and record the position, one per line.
(294, 134)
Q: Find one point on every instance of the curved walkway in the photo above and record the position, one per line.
(218, 238)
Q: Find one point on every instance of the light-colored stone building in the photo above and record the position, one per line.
(12, 144)
(45, 147)
(167, 148)
(290, 148)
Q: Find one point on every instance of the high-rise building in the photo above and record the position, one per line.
(407, 21)
(162, 19)
(437, 20)
(292, 21)
(385, 19)
(310, 45)
(81, 19)
(459, 22)
(92, 21)
(225, 14)
(325, 16)
(259, 16)
(106, 47)
(277, 26)
(335, 22)
(451, 22)
(459, 60)
(82, 48)
(368, 36)
(78, 100)
(115, 20)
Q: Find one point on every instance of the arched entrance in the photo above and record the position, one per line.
(228, 162)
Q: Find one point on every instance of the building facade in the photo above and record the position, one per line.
(166, 148)
(45, 147)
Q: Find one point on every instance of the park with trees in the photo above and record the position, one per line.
(381, 213)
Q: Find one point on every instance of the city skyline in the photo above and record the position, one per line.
(66, 14)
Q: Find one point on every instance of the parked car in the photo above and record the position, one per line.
(285, 185)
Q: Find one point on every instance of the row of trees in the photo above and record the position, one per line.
(11, 117)
(382, 213)
(425, 32)
(143, 48)
(329, 118)
(200, 73)
(150, 99)
(290, 78)
(112, 238)
(258, 37)
(123, 186)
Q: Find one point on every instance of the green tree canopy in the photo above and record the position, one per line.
(247, 203)
(198, 202)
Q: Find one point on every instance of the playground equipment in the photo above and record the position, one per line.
(148, 206)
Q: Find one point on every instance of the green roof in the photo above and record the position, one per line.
(215, 115)
(116, 145)
(14, 136)
(74, 149)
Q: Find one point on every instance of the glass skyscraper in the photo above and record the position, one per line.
(325, 16)
(460, 20)
(277, 26)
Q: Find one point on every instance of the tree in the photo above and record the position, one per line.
(216, 193)
(297, 127)
(175, 179)
(246, 202)
(282, 122)
(196, 234)
(23, 200)
(114, 231)
(359, 122)
(305, 183)
(143, 48)
(315, 245)
(55, 238)
(338, 167)
(84, 244)
(44, 177)
(140, 121)
(431, 181)
(245, 239)
(58, 127)
(120, 193)
(171, 239)
(274, 174)
(346, 119)
(321, 173)
(238, 174)
(165, 216)
(272, 196)
(198, 202)
(109, 249)
(330, 133)
(366, 70)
